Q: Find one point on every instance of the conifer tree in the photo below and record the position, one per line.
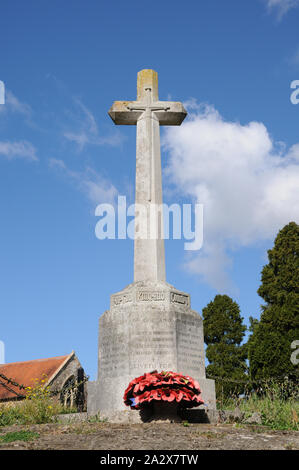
(223, 334)
(269, 346)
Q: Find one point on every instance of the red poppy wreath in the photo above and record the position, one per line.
(166, 386)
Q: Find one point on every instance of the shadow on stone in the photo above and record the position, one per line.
(196, 416)
(160, 411)
(173, 413)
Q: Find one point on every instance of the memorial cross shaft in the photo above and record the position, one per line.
(148, 113)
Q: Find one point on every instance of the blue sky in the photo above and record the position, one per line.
(63, 64)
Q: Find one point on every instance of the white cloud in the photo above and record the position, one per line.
(16, 105)
(13, 104)
(86, 130)
(55, 163)
(281, 6)
(19, 149)
(97, 189)
(23, 149)
(293, 153)
(248, 184)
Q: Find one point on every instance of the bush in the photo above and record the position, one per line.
(37, 408)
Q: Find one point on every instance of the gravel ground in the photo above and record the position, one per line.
(153, 436)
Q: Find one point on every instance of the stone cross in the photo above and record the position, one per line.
(148, 113)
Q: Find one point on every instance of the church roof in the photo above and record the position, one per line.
(25, 373)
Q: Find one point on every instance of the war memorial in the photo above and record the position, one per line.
(150, 324)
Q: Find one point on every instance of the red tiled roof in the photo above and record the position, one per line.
(25, 373)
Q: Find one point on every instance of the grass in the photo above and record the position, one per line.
(97, 419)
(277, 412)
(38, 407)
(19, 436)
(186, 424)
(67, 411)
(31, 412)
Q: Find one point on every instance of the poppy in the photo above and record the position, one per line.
(167, 386)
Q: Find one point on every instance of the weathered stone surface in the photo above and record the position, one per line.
(238, 415)
(148, 113)
(71, 418)
(200, 415)
(231, 416)
(255, 418)
(150, 326)
(194, 415)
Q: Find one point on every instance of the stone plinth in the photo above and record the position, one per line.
(150, 326)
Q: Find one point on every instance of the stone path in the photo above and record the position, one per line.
(154, 436)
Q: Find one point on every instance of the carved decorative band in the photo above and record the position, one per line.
(149, 296)
(179, 298)
(122, 299)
